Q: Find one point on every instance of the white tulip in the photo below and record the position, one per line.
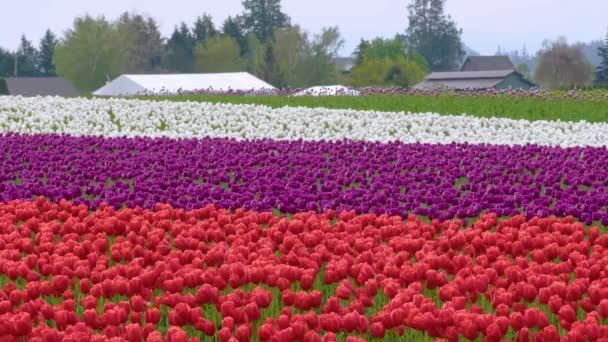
(113, 117)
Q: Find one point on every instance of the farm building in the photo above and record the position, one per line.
(487, 63)
(494, 79)
(39, 86)
(127, 85)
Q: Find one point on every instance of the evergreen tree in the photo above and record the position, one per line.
(204, 29)
(601, 75)
(26, 59)
(45, 54)
(360, 51)
(262, 17)
(434, 35)
(233, 28)
(7, 63)
(270, 69)
(180, 50)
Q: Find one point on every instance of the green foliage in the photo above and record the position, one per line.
(387, 72)
(27, 59)
(46, 50)
(219, 54)
(601, 74)
(384, 62)
(270, 69)
(304, 62)
(501, 107)
(360, 51)
(3, 87)
(524, 69)
(290, 46)
(263, 17)
(434, 35)
(179, 55)
(88, 53)
(380, 48)
(204, 29)
(562, 66)
(140, 40)
(254, 57)
(233, 28)
(7, 63)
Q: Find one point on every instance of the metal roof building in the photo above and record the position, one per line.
(40, 86)
(128, 85)
(487, 63)
(495, 79)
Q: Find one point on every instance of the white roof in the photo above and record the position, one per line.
(332, 90)
(126, 85)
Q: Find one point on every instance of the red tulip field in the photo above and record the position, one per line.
(208, 273)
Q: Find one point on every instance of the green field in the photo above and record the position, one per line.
(505, 106)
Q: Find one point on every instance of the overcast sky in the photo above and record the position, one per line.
(485, 23)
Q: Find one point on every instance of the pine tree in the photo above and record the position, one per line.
(262, 17)
(233, 28)
(360, 51)
(7, 63)
(180, 50)
(204, 29)
(26, 59)
(434, 35)
(601, 75)
(270, 70)
(45, 54)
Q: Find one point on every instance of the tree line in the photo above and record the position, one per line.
(261, 40)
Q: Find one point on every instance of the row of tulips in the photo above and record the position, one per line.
(437, 181)
(167, 274)
(132, 118)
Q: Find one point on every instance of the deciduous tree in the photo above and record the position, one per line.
(219, 54)
(141, 41)
(88, 53)
(561, 65)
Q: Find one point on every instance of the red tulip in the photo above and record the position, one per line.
(377, 330)
(224, 334)
(312, 336)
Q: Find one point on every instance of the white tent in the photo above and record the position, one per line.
(334, 90)
(127, 85)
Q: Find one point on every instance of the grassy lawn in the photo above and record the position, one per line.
(503, 107)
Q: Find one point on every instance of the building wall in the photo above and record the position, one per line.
(513, 81)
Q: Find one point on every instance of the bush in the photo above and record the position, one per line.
(3, 87)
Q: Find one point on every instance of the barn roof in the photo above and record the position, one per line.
(464, 75)
(485, 63)
(40, 86)
(126, 85)
(467, 79)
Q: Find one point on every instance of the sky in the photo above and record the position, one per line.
(486, 24)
